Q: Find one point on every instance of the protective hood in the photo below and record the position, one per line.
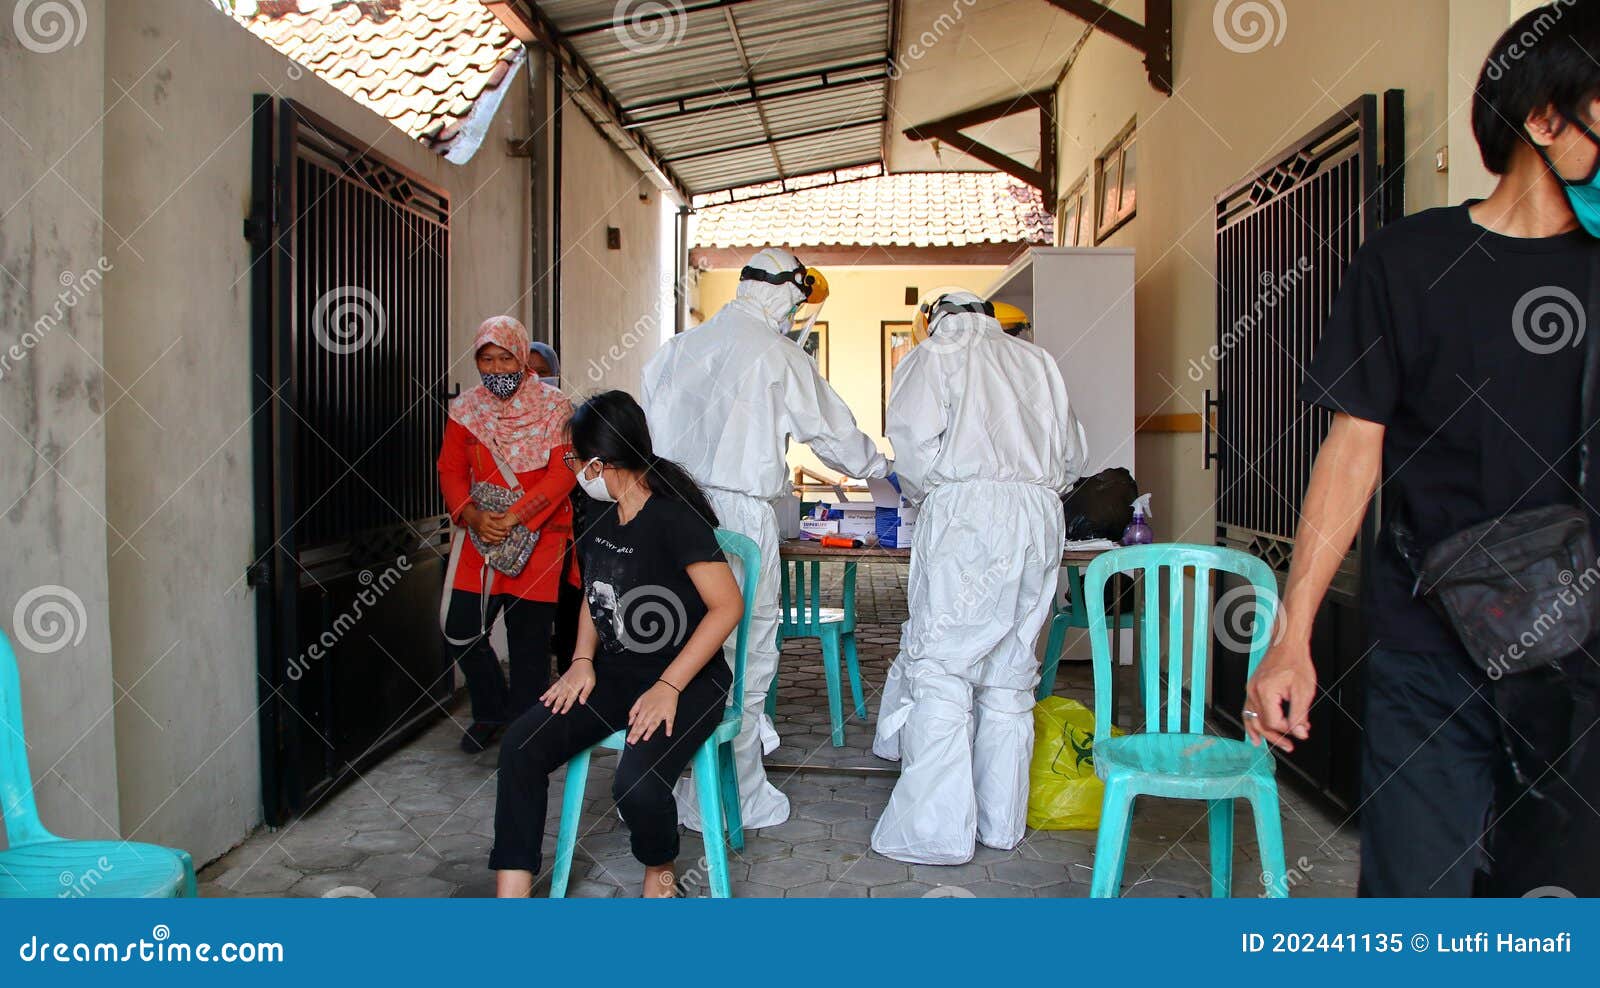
(771, 303)
(959, 329)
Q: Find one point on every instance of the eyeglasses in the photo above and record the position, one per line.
(575, 464)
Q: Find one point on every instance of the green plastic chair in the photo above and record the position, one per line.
(834, 627)
(40, 865)
(1172, 758)
(1074, 615)
(716, 781)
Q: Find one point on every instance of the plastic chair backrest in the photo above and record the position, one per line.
(749, 555)
(801, 612)
(17, 807)
(1176, 559)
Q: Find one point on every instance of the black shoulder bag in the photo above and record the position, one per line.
(1522, 591)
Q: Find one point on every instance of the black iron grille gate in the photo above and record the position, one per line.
(1285, 237)
(350, 316)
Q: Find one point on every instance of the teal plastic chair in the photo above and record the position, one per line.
(1074, 615)
(716, 781)
(40, 865)
(800, 616)
(1171, 757)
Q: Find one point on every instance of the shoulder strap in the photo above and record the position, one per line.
(506, 473)
(1591, 372)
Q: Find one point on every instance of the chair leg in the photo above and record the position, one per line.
(1052, 655)
(707, 783)
(853, 663)
(830, 672)
(1111, 846)
(1221, 816)
(731, 812)
(567, 834)
(1269, 838)
(188, 890)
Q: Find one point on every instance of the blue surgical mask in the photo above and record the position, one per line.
(1582, 194)
(502, 386)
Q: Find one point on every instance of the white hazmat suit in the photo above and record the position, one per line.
(722, 400)
(984, 438)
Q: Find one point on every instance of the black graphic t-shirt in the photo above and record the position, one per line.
(636, 577)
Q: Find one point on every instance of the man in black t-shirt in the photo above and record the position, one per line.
(1453, 359)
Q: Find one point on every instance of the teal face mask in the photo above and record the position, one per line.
(1582, 194)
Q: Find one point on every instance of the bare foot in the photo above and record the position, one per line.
(660, 882)
(513, 884)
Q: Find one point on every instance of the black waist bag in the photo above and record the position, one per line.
(1521, 590)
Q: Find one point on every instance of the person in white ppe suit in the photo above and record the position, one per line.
(723, 399)
(985, 439)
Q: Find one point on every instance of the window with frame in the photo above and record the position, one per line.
(1116, 179)
(1072, 212)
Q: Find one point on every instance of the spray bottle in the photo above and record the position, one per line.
(1137, 532)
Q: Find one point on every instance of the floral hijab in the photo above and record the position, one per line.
(524, 428)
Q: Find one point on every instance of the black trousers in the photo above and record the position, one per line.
(541, 741)
(1474, 786)
(528, 623)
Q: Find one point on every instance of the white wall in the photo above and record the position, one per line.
(1232, 111)
(53, 395)
(177, 175)
(612, 319)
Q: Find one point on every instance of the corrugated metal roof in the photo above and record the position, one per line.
(813, 97)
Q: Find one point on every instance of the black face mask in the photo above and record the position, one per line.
(502, 386)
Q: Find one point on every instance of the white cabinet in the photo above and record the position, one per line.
(1080, 300)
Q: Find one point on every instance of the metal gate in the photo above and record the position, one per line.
(1285, 237)
(349, 313)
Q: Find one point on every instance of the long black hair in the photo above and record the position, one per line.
(611, 426)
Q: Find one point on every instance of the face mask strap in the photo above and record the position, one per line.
(1594, 139)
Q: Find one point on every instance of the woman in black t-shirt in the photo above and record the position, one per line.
(659, 601)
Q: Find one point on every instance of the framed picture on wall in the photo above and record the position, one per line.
(897, 342)
(817, 346)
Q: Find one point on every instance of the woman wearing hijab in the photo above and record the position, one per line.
(512, 426)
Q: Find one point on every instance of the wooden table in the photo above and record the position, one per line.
(807, 549)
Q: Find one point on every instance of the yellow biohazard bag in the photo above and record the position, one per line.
(1063, 791)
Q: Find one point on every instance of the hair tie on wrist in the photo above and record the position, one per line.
(674, 688)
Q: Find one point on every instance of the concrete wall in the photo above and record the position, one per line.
(177, 174)
(860, 300)
(53, 396)
(612, 317)
(1233, 110)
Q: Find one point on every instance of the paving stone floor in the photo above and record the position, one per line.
(421, 823)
